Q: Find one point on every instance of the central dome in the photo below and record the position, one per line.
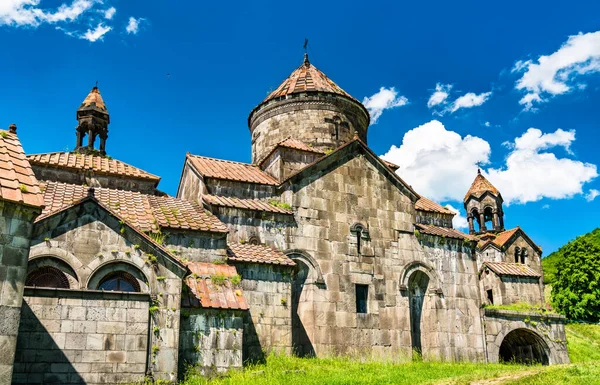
(310, 107)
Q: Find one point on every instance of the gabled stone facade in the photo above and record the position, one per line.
(315, 249)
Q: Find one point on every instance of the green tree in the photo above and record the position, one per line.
(576, 288)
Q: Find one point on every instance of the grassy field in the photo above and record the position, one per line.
(584, 351)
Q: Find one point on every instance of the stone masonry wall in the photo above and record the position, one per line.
(304, 118)
(510, 289)
(75, 337)
(284, 162)
(93, 243)
(328, 203)
(195, 246)
(549, 329)
(267, 324)
(271, 229)
(210, 340)
(16, 223)
(92, 179)
(436, 219)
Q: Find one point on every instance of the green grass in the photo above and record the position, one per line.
(580, 374)
(583, 342)
(520, 307)
(317, 371)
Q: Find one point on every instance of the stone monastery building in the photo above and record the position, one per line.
(317, 247)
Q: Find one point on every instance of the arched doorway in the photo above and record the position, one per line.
(301, 343)
(417, 288)
(523, 346)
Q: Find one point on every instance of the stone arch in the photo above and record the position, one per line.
(315, 275)
(524, 346)
(110, 267)
(417, 289)
(50, 264)
(435, 283)
(307, 276)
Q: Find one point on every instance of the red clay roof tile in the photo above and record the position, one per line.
(480, 186)
(518, 269)
(17, 181)
(145, 212)
(444, 232)
(228, 170)
(94, 99)
(425, 204)
(96, 163)
(257, 254)
(204, 293)
(248, 204)
(304, 79)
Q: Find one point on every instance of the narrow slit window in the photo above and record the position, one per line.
(490, 297)
(362, 295)
(358, 239)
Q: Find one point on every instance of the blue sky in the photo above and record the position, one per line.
(518, 87)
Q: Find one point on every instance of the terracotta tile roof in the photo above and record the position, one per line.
(505, 236)
(94, 99)
(298, 145)
(228, 170)
(480, 186)
(204, 293)
(257, 254)
(304, 79)
(425, 204)
(391, 165)
(96, 163)
(248, 204)
(145, 212)
(17, 181)
(518, 269)
(444, 232)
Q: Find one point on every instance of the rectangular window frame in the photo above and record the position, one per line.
(362, 298)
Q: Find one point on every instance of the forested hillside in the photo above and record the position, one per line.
(549, 263)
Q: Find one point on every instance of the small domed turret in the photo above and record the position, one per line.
(93, 120)
(483, 203)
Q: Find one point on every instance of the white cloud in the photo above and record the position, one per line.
(110, 13)
(441, 165)
(554, 74)
(545, 207)
(28, 12)
(591, 195)
(487, 124)
(458, 221)
(133, 26)
(531, 172)
(440, 94)
(385, 99)
(96, 34)
(470, 100)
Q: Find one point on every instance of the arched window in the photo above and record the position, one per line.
(523, 256)
(47, 276)
(517, 254)
(254, 240)
(119, 281)
(360, 233)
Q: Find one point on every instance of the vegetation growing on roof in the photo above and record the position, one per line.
(281, 205)
(23, 188)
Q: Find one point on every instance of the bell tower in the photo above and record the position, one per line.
(93, 120)
(483, 204)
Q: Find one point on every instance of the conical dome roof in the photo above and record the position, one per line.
(307, 78)
(480, 186)
(94, 101)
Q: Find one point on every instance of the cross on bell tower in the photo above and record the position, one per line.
(93, 120)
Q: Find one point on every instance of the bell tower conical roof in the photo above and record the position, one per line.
(93, 119)
(480, 186)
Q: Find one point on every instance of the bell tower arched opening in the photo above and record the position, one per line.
(524, 346)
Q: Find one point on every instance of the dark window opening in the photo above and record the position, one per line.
(517, 252)
(490, 297)
(362, 295)
(523, 256)
(119, 281)
(358, 237)
(47, 276)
